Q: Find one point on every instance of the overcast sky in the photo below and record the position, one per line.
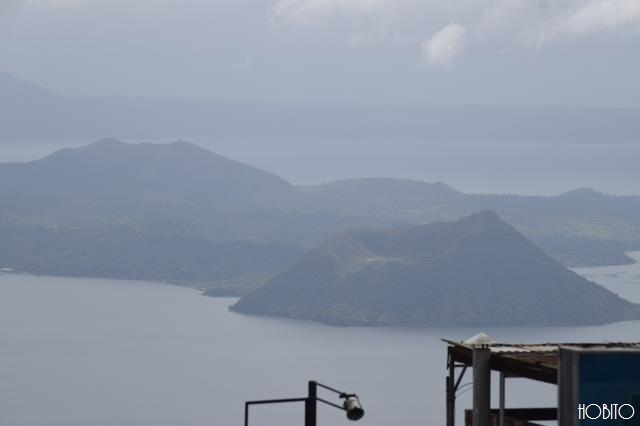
(523, 52)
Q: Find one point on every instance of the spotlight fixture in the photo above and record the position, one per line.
(351, 404)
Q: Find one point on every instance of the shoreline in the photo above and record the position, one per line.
(580, 270)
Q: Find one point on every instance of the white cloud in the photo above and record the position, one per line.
(443, 46)
(539, 22)
(305, 9)
(603, 15)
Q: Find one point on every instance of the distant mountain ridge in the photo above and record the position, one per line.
(580, 227)
(157, 212)
(475, 271)
(179, 190)
(62, 116)
(179, 187)
(18, 89)
(111, 166)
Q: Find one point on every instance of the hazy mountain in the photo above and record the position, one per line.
(181, 189)
(383, 196)
(30, 112)
(579, 227)
(170, 189)
(110, 167)
(477, 270)
(113, 209)
(15, 90)
(125, 253)
(166, 212)
(412, 199)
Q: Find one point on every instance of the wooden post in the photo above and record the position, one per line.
(451, 392)
(481, 386)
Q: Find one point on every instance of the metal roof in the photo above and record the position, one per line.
(538, 361)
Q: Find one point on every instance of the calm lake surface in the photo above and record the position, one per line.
(104, 352)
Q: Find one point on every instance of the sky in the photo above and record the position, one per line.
(483, 52)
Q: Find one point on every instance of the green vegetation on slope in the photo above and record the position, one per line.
(178, 191)
(475, 271)
(128, 254)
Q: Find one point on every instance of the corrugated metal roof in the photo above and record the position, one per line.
(537, 360)
(523, 348)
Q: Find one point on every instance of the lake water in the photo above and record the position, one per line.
(104, 352)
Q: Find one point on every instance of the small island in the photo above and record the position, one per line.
(478, 270)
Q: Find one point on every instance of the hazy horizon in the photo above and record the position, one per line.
(519, 150)
(498, 52)
(88, 93)
(504, 169)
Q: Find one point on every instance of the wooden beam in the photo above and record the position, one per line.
(539, 414)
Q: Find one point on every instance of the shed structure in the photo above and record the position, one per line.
(538, 361)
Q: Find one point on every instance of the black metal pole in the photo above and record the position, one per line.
(310, 406)
(247, 404)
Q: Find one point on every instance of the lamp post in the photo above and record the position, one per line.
(351, 404)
